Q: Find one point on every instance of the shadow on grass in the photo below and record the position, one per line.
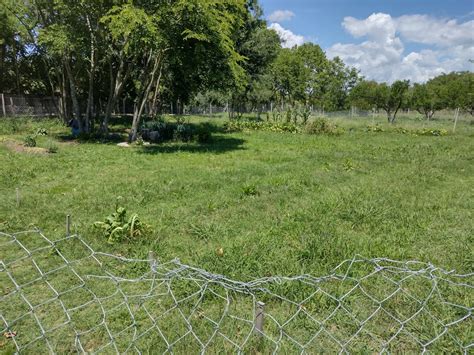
(219, 145)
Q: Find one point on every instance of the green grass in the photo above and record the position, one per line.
(276, 203)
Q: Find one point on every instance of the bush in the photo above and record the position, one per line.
(158, 131)
(52, 147)
(29, 141)
(280, 127)
(183, 133)
(323, 126)
(203, 134)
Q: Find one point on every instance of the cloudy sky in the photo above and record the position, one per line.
(386, 39)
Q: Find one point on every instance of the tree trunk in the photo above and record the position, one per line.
(116, 86)
(154, 109)
(75, 103)
(90, 96)
(143, 97)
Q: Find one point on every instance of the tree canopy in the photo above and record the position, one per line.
(93, 54)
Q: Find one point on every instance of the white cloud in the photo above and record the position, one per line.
(281, 15)
(288, 38)
(448, 46)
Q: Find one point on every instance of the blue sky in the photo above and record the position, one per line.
(383, 38)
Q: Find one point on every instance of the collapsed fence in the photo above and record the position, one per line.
(62, 296)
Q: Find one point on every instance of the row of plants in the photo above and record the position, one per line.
(318, 126)
(418, 132)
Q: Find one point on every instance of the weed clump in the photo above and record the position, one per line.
(323, 126)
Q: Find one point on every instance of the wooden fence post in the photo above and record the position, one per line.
(152, 260)
(3, 105)
(259, 318)
(17, 190)
(68, 225)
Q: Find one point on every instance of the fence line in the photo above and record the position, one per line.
(62, 296)
(24, 105)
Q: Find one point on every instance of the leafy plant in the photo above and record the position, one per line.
(432, 132)
(323, 126)
(305, 113)
(349, 165)
(374, 128)
(29, 141)
(250, 190)
(118, 226)
(183, 133)
(41, 132)
(203, 134)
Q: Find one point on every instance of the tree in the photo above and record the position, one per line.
(389, 98)
(424, 100)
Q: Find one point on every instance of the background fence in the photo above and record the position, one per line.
(20, 105)
(62, 296)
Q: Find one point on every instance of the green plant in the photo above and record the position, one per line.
(348, 165)
(117, 226)
(139, 142)
(203, 134)
(432, 132)
(250, 190)
(323, 126)
(183, 133)
(52, 147)
(305, 113)
(41, 132)
(374, 128)
(29, 141)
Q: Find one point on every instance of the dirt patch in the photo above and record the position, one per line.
(18, 147)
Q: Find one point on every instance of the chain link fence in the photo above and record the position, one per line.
(62, 296)
(21, 105)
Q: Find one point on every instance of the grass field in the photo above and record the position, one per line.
(276, 203)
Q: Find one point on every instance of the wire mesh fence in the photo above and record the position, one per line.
(22, 105)
(62, 296)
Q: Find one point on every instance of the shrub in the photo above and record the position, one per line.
(165, 130)
(280, 127)
(183, 133)
(117, 226)
(204, 134)
(323, 126)
(29, 141)
(52, 147)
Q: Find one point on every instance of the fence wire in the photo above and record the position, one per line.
(62, 296)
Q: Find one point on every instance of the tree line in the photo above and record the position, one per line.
(93, 54)
(446, 91)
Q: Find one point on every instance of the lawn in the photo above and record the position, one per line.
(276, 203)
(253, 204)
